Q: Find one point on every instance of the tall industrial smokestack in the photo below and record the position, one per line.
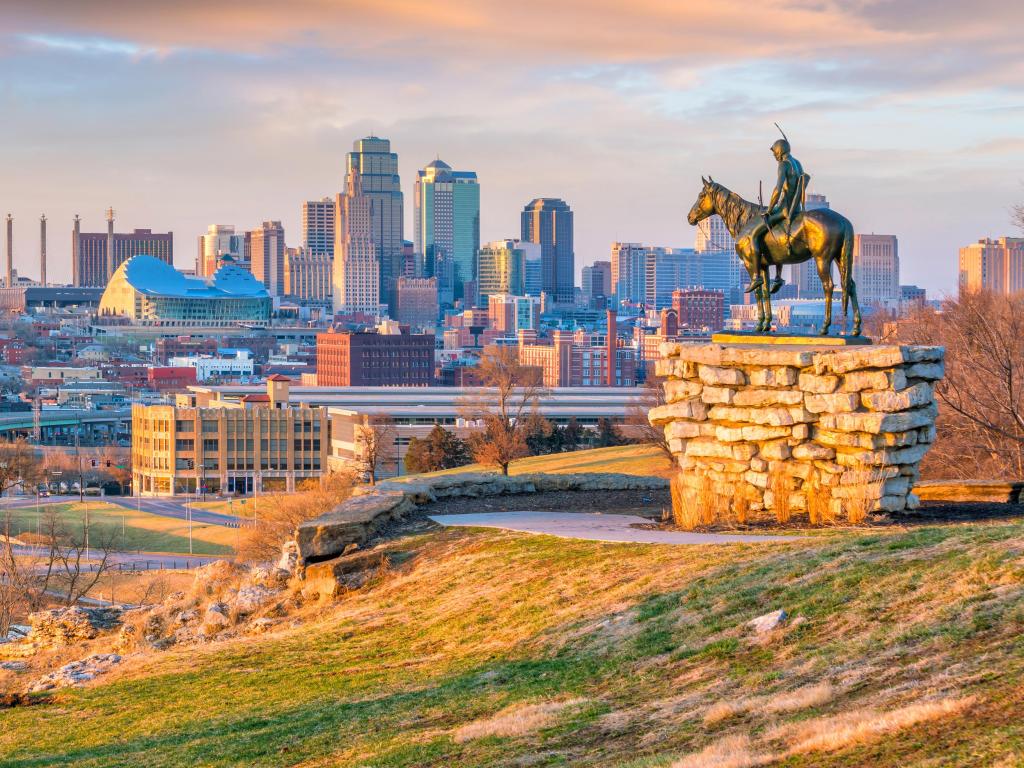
(110, 243)
(10, 251)
(76, 238)
(42, 249)
(612, 340)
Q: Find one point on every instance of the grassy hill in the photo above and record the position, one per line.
(628, 459)
(487, 648)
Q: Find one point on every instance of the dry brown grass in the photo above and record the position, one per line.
(839, 731)
(781, 486)
(516, 720)
(867, 491)
(730, 752)
(819, 501)
(741, 505)
(773, 704)
(278, 516)
(684, 511)
(697, 507)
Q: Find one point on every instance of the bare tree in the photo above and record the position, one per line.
(375, 444)
(511, 393)
(981, 396)
(651, 396)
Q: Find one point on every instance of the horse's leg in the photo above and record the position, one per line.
(856, 308)
(825, 273)
(766, 291)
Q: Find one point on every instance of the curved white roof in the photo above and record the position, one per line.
(153, 277)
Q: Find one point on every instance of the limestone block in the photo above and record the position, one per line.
(922, 354)
(813, 452)
(708, 447)
(717, 395)
(676, 445)
(781, 376)
(926, 434)
(870, 491)
(682, 429)
(863, 476)
(775, 451)
(863, 439)
(801, 431)
(758, 465)
(886, 456)
(858, 381)
(704, 354)
(874, 423)
(913, 502)
(840, 402)
(729, 434)
(758, 433)
(929, 371)
(710, 374)
(707, 429)
(664, 368)
(899, 485)
(757, 479)
(855, 358)
(744, 453)
(668, 349)
(760, 397)
(821, 385)
(891, 504)
(829, 468)
(686, 409)
(904, 399)
(680, 389)
(772, 356)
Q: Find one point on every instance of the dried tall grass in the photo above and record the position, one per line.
(515, 720)
(819, 501)
(697, 507)
(839, 731)
(866, 491)
(730, 752)
(781, 486)
(773, 704)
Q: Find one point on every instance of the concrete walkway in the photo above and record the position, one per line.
(596, 527)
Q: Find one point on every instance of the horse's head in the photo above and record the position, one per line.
(705, 205)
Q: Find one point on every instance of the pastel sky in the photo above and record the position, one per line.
(908, 114)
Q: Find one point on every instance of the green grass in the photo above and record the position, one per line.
(647, 636)
(129, 529)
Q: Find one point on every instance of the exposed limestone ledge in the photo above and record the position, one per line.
(1002, 492)
(371, 507)
(851, 421)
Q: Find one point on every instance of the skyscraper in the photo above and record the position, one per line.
(876, 270)
(712, 235)
(220, 240)
(628, 272)
(548, 222)
(993, 265)
(368, 218)
(356, 285)
(597, 280)
(266, 249)
(447, 225)
(502, 269)
(318, 227)
(307, 276)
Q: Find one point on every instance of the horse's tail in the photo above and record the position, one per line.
(846, 265)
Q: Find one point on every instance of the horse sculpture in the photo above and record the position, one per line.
(820, 234)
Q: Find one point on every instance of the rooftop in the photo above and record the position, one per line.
(153, 277)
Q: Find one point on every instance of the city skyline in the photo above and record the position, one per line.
(900, 141)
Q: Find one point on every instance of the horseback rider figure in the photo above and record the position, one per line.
(785, 207)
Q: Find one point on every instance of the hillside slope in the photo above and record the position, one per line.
(484, 648)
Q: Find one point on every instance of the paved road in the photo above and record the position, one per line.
(596, 527)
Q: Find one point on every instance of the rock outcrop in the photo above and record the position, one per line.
(849, 422)
(355, 521)
(64, 626)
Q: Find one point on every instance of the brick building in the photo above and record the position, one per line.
(345, 359)
(699, 308)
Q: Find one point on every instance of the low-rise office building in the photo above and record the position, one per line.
(255, 443)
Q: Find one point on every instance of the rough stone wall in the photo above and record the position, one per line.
(854, 421)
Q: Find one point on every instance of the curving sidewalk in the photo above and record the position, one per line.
(594, 526)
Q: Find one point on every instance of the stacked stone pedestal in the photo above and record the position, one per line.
(851, 422)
